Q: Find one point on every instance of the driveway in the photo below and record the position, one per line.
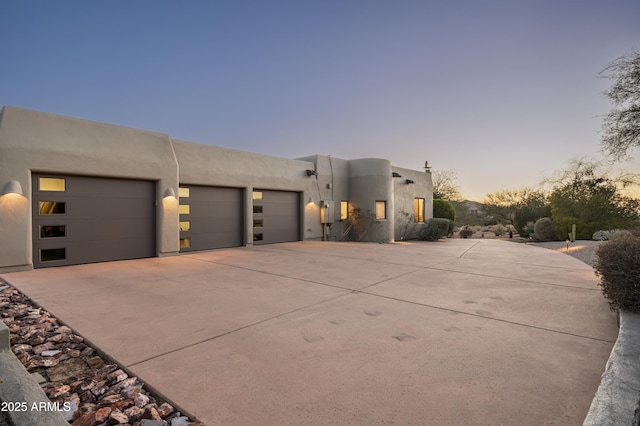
(456, 332)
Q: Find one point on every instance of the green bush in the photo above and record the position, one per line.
(618, 267)
(444, 209)
(543, 230)
(434, 229)
(466, 232)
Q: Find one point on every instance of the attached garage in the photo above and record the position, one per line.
(81, 219)
(210, 217)
(276, 216)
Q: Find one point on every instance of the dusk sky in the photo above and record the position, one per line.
(502, 93)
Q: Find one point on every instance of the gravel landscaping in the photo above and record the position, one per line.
(96, 390)
(583, 250)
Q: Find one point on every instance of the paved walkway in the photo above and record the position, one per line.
(457, 332)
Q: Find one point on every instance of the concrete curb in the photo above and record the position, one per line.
(21, 397)
(618, 397)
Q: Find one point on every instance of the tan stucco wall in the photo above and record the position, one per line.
(216, 166)
(32, 141)
(370, 180)
(404, 194)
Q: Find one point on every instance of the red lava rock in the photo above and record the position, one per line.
(59, 390)
(103, 414)
(132, 391)
(22, 348)
(117, 417)
(88, 419)
(165, 409)
(116, 376)
(100, 389)
(141, 400)
(122, 405)
(41, 348)
(134, 413)
(55, 338)
(110, 399)
(152, 413)
(64, 330)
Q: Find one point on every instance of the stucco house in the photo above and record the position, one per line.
(77, 191)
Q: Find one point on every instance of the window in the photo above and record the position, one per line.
(257, 195)
(183, 192)
(184, 209)
(51, 184)
(185, 225)
(381, 209)
(257, 237)
(257, 223)
(48, 255)
(418, 209)
(344, 210)
(52, 207)
(52, 231)
(185, 243)
(257, 209)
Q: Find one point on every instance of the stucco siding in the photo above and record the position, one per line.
(39, 142)
(405, 194)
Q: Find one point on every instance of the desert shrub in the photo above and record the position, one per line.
(446, 225)
(543, 230)
(433, 230)
(527, 230)
(618, 267)
(499, 230)
(443, 209)
(601, 235)
(611, 235)
(620, 233)
(466, 232)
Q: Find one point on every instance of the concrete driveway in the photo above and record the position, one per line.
(456, 332)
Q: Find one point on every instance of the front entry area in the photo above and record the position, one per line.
(83, 219)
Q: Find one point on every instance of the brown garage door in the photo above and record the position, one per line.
(80, 219)
(276, 216)
(210, 217)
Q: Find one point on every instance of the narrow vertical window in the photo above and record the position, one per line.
(381, 209)
(418, 209)
(344, 210)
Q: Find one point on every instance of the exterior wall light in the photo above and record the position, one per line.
(169, 193)
(12, 187)
(409, 181)
(312, 173)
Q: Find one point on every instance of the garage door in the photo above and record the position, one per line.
(79, 219)
(210, 217)
(276, 216)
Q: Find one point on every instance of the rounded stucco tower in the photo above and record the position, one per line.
(371, 190)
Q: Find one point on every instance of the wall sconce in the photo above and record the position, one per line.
(312, 173)
(310, 201)
(12, 187)
(169, 193)
(409, 181)
(396, 174)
